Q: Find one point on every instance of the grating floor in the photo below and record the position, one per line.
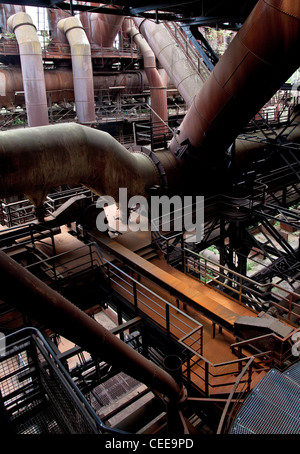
(273, 406)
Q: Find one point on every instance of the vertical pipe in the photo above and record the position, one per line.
(32, 68)
(158, 91)
(105, 27)
(81, 67)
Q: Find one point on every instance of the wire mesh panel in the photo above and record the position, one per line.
(36, 392)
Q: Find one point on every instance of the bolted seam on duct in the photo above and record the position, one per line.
(32, 68)
(81, 67)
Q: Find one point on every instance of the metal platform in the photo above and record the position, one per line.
(273, 405)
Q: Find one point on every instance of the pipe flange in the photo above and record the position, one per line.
(154, 159)
(24, 23)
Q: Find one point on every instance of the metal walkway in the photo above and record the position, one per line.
(273, 405)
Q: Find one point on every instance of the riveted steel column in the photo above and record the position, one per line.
(32, 68)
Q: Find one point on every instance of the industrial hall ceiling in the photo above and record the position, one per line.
(222, 13)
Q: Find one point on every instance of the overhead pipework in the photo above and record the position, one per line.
(158, 91)
(81, 68)
(46, 157)
(172, 58)
(32, 68)
(259, 60)
(102, 29)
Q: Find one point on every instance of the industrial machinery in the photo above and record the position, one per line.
(155, 330)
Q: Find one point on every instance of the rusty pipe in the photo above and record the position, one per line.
(105, 27)
(32, 161)
(33, 297)
(158, 91)
(261, 57)
(172, 58)
(59, 83)
(32, 68)
(81, 67)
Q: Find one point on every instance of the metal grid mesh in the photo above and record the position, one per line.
(271, 408)
(36, 395)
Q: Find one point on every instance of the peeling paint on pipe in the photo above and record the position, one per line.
(34, 298)
(32, 68)
(81, 67)
(261, 57)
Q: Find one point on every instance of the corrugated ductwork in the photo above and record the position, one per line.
(30, 295)
(262, 56)
(49, 156)
(81, 67)
(158, 91)
(171, 57)
(32, 68)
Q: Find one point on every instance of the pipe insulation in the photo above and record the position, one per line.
(33, 297)
(32, 68)
(158, 91)
(32, 161)
(82, 68)
(261, 57)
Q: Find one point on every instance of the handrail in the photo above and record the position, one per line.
(246, 368)
(240, 282)
(66, 377)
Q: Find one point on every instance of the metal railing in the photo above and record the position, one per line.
(188, 48)
(171, 318)
(37, 392)
(241, 288)
(228, 414)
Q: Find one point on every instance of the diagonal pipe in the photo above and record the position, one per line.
(33, 297)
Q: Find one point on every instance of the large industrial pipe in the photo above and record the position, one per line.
(158, 91)
(263, 54)
(105, 27)
(81, 67)
(33, 297)
(172, 58)
(32, 68)
(34, 160)
(59, 83)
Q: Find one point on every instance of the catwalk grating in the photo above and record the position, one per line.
(273, 405)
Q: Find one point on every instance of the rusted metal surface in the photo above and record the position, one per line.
(32, 68)
(59, 83)
(158, 91)
(54, 16)
(105, 27)
(34, 298)
(81, 68)
(171, 57)
(34, 160)
(262, 56)
(7, 10)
